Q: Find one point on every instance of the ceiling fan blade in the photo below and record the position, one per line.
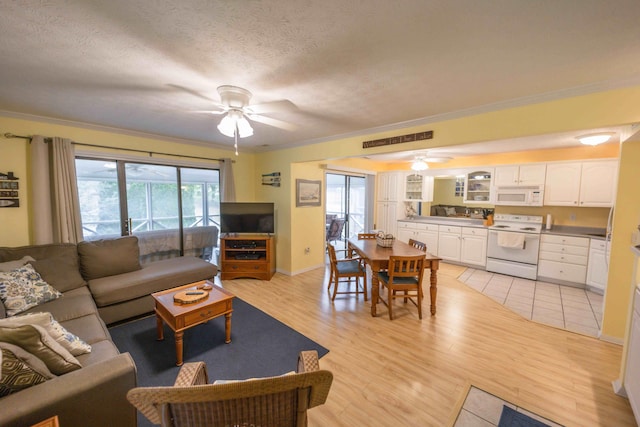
(192, 92)
(282, 106)
(214, 112)
(272, 122)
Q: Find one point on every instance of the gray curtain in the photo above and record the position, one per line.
(55, 204)
(227, 184)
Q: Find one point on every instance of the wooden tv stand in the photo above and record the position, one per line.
(247, 256)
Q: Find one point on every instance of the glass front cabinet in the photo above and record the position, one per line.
(418, 188)
(478, 187)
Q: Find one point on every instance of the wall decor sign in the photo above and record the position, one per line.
(272, 179)
(398, 139)
(308, 193)
(9, 187)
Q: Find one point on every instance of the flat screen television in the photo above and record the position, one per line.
(247, 217)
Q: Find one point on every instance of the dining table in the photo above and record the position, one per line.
(377, 257)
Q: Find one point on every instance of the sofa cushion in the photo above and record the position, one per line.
(61, 272)
(36, 341)
(153, 277)
(23, 288)
(12, 265)
(73, 304)
(20, 369)
(108, 257)
(71, 342)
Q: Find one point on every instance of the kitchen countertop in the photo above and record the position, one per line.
(564, 230)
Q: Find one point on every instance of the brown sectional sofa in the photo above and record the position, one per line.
(101, 282)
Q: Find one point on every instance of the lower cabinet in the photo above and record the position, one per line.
(598, 270)
(449, 242)
(632, 367)
(563, 258)
(474, 246)
(420, 231)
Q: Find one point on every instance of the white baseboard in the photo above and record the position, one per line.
(612, 340)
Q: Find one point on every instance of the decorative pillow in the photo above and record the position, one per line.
(63, 273)
(108, 257)
(66, 339)
(20, 369)
(12, 265)
(23, 288)
(35, 340)
(450, 211)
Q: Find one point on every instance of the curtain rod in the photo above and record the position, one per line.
(9, 135)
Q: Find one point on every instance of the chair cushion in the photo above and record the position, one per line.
(383, 275)
(349, 267)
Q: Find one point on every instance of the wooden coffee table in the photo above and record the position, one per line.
(181, 317)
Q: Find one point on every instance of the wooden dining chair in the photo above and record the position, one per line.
(403, 279)
(418, 245)
(366, 236)
(346, 271)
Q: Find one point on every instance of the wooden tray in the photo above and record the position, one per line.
(182, 297)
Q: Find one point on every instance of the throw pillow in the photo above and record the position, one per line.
(108, 257)
(450, 211)
(20, 369)
(440, 211)
(66, 339)
(35, 340)
(63, 273)
(23, 288)
(12, 265)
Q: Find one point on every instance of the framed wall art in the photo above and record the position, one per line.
(308, 193)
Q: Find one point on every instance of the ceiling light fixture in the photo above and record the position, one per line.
(235, 125)
(595, 138)
(419, 165)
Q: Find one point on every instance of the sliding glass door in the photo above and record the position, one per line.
(346, 199)
(173, 210)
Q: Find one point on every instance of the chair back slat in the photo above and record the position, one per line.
(418, 245)
(406, 266)
(366, 236)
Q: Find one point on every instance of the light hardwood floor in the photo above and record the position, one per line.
(412, 372)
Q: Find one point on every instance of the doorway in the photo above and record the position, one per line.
(346, 197)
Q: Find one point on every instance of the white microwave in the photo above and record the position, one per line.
(517, 195)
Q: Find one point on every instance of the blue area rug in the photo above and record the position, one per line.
(260, 346)
(512, 418)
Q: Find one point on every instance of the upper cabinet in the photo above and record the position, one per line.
(418, 188)
(478, 187)
(581, 183)
(533, 174)
(389, 186)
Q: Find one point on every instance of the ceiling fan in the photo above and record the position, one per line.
(234, 104)
(421, 160)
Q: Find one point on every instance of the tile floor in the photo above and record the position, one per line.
(573, 309)
(482, 409)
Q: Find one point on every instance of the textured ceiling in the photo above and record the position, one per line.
(344, 66)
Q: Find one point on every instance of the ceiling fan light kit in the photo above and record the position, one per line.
(595, 138)
(419, 165)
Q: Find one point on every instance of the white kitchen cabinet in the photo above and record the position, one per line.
(420, 231)
(387, 214)
(631, 357)
(597, 269)
(449, 242)
(581, 183)
(533, 174)
(563, 258)
(598, 183)
(388, 186)
(417, 187)
(473, 249)
(477, 187)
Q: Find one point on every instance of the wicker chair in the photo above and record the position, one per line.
(404, 275)
(345, 271)
(273, 401)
